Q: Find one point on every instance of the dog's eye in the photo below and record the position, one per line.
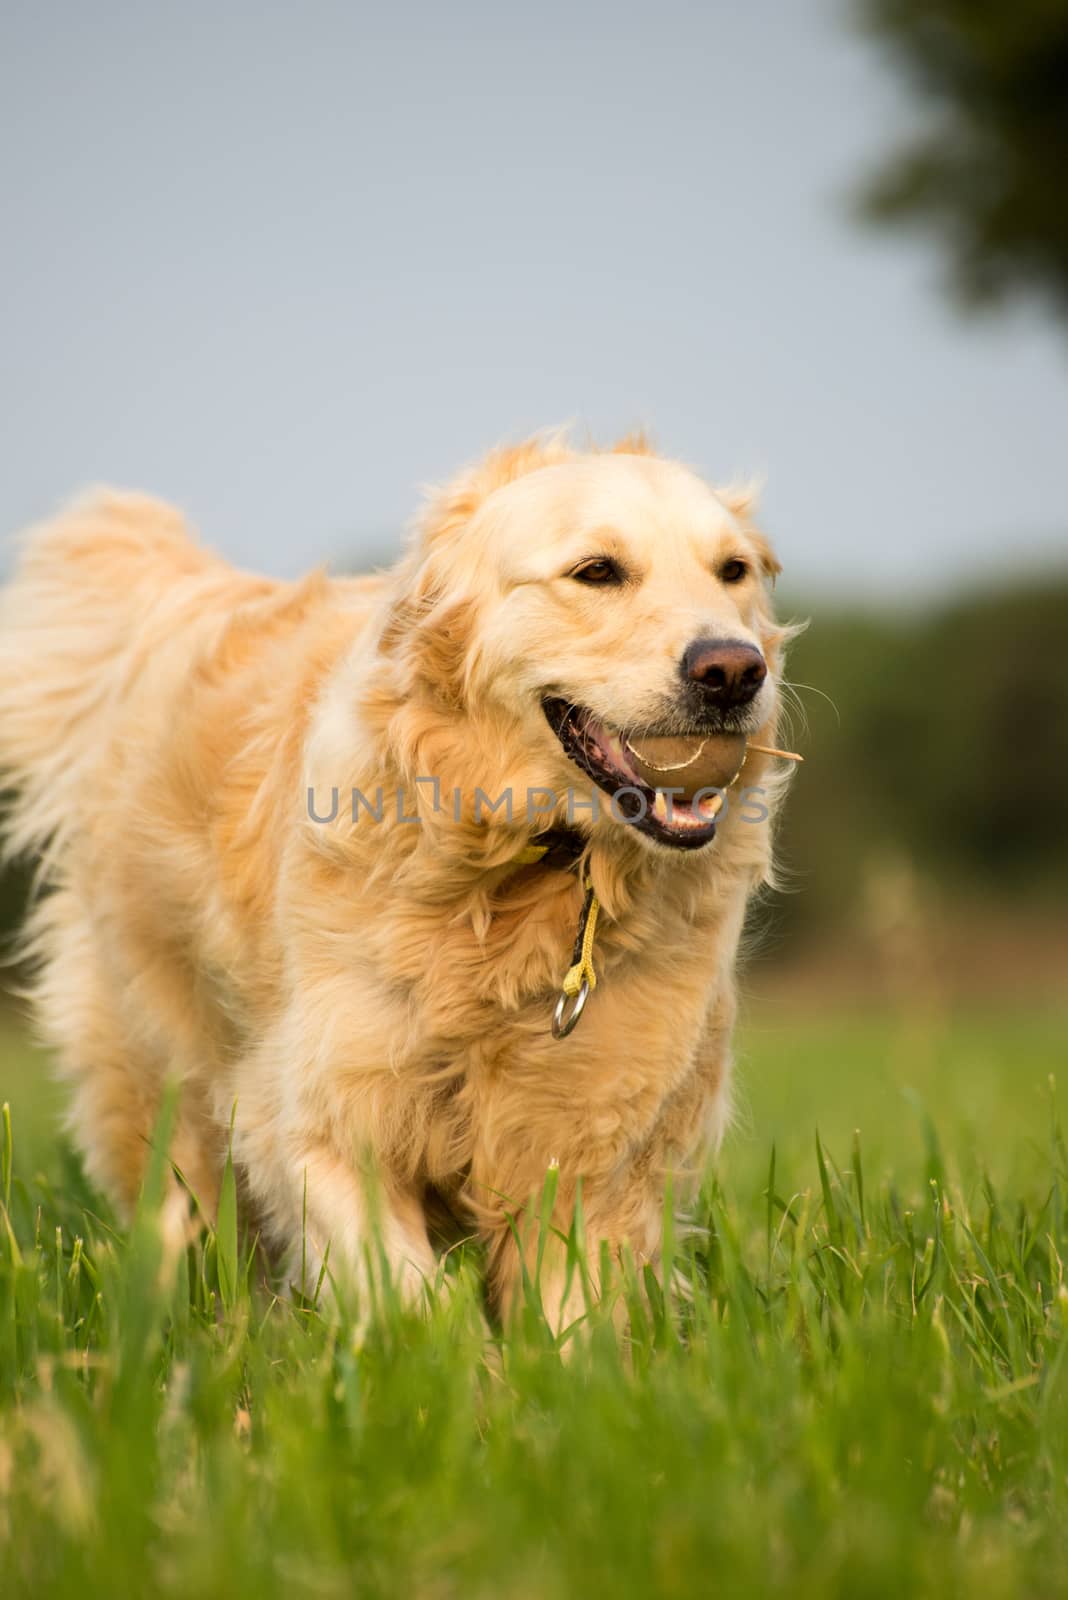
(733, 571)
(601, 569)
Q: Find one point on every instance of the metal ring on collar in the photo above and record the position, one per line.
(564, 1020)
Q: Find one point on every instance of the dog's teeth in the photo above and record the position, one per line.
(660, 806)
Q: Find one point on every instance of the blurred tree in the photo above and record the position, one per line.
(990, 168)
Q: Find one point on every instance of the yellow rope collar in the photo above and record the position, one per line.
(530, 855)
(581, 969)
(580, 979)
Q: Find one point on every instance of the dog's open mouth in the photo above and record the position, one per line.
(668, 788)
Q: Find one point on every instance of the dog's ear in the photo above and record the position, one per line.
(439, 651)
(428, 630)
(424, 634)
(741, 501)
(430, 625)
(770, 565)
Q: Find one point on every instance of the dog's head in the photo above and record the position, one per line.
(572, 606)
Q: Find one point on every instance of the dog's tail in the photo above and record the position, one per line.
(69, 617)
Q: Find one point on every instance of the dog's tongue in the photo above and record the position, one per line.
(688, 764)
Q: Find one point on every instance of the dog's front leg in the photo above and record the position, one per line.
(345, 1217)
(306, 1114)
(532, 1252)
(629, 1166)
(527, 1209)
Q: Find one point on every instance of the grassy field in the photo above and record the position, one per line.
(867, 1393)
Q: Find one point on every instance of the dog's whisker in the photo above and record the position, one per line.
(812, 689)
(793, 708)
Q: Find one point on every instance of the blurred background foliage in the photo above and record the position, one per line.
(930, 810)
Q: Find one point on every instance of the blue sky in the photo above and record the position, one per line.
(284, 264)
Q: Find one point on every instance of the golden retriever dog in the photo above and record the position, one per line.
(324, 851)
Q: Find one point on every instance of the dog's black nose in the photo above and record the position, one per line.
(725, 672)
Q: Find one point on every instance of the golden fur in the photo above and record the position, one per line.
(377, 997)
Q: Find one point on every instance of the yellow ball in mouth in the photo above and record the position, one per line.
(689, 764)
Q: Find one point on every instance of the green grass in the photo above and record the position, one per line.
(867, 1393)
